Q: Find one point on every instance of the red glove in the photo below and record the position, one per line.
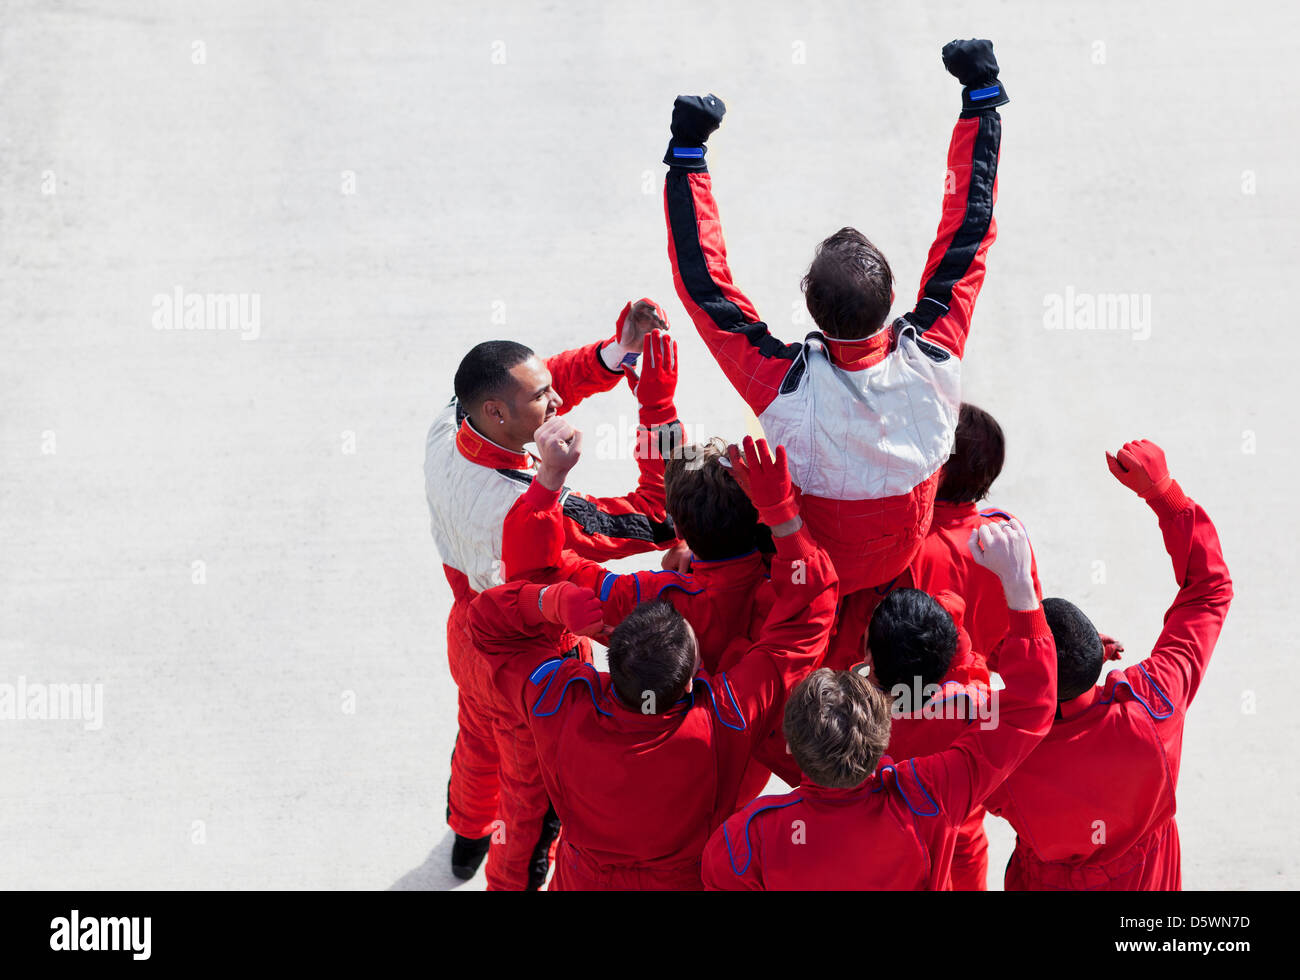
(574, 607)
(765, 480)
(1141, 467)
(657, 384)
(1111, 648)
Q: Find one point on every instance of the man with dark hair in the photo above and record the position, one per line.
(867, 410)
(862, 821)
(475, 468)
(644, 762)
(938, 684)
(1093, 805)
(944, 562)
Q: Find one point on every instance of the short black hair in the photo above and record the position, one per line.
(977, 457)
(651, 657)
(485, 371)
(910, 636)
(849, 286)
(712, 514)
(1079, 653)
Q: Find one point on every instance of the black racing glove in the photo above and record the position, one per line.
(972, 63)
(694, 118)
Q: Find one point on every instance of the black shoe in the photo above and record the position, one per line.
(467, 853)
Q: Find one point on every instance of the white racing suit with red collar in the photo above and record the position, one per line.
(471, 483)
(867, 424)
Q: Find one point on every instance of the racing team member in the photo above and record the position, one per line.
(861, 821)
(475, 468)
(944, 562)
(914, 641)
(725, 594)
(644, 762)
(1093, 805)
(866, 410)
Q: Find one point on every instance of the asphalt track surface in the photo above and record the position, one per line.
(394, 184)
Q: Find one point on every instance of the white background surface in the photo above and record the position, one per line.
(529, 190)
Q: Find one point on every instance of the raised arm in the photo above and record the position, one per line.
(955, 780)
(954, 270)
(753, 360)
(1192, 624)
(533, 549)
(793, 637)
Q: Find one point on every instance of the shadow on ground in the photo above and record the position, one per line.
(434, 875)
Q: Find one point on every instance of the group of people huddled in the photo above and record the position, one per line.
(839, 611)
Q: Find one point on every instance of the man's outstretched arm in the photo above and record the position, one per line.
(954, 271)
(1193, 623)
(753, 360)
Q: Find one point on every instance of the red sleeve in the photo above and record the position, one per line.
(533, 549)
(1192, 624)
(793, 638)
(954, 270)
(578, 374)
(753, 360)
(964, 774)
(506, 626)
(614, 527)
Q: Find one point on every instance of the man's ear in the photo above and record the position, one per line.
(495, 411)
(689, 684)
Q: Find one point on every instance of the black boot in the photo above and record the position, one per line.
(467, 853)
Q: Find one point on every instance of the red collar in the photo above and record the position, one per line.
(478, 449)
(954, 512)
(817, 791)
(853, 355)
(1077, 706)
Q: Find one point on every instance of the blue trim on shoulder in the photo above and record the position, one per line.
(898, 782)
(559, 698)
(994, 512)
(545, 669)
(726, 839)
(1120, 679)
(713, 698)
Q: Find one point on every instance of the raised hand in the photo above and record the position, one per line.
(1141, 467)
(657, 383)
(972, 63)
(695, 117)
(765, 479)
(636, 321)
(1003, 548)
(559, 447)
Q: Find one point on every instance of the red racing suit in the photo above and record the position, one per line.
(867, 424)
(896, 830)
(1110, 824)
(638, 794)
(471, 483)
(726, 601)
(945, 563)
(964, 698)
